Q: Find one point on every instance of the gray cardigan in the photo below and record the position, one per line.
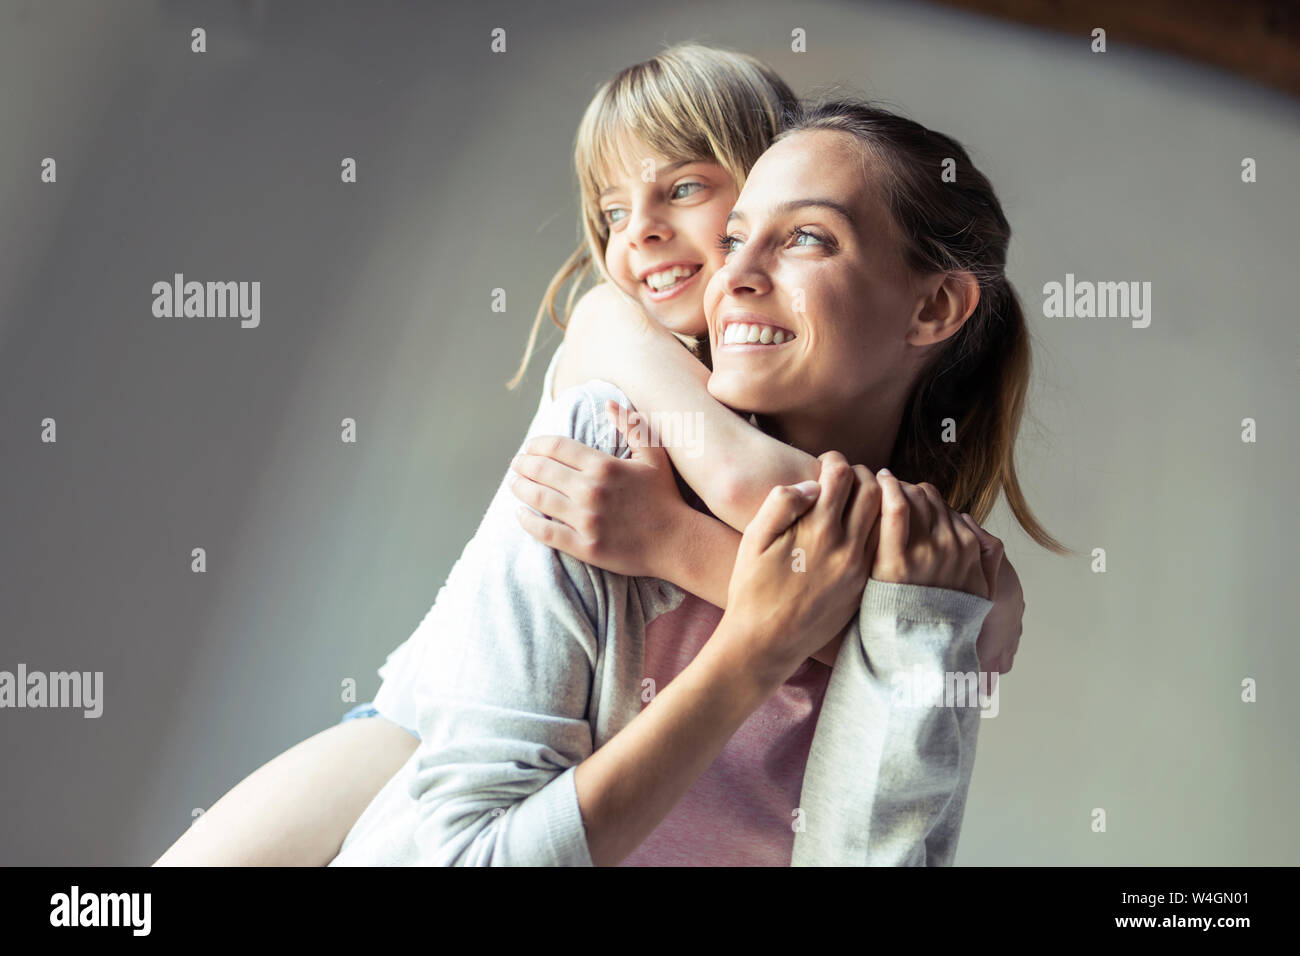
(530, 660)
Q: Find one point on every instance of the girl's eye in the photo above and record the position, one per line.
(611, 216)
(692, 187)
(728, 243)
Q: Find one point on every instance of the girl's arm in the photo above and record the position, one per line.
(627, 516)
(634, 523)
(730, 464)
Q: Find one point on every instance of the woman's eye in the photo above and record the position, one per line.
(728, 243)
(612, 216)
(689, 187)
(801, 234)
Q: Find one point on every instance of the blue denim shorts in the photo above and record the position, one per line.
(361, 710)
(368, 710)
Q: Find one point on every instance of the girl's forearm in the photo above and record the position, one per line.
(730, 464)
(628, 786)
(702, 559)
(700, 556)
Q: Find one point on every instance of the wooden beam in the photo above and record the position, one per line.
(1259, 39)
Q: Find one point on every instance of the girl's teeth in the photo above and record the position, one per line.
(658, 281)
(743, 333)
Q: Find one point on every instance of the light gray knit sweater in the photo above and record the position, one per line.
(530, 660)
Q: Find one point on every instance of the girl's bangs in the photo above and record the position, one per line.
(627, 111)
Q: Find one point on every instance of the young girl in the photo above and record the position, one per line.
(297, 808)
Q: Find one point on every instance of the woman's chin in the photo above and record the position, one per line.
(688, 330)
(739, 394)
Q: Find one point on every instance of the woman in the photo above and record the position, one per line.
(526, 726)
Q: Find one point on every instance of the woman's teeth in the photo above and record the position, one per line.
(739, 333)
(660, 281)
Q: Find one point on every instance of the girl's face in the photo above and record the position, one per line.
(814, 258)
(663, 234)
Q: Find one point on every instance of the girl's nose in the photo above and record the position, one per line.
(648, 226)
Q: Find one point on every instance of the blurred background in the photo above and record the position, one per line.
(376, 305)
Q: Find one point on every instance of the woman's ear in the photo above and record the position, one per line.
(946, 301)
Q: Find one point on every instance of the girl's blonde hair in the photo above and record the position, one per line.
(980, 376)
(689, 102)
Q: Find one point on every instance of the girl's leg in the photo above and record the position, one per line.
(297, 809)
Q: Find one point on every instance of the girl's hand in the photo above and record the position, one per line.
(922, 541)
(1000, 636)
(952, 552)
(614, 513)
(801, 568)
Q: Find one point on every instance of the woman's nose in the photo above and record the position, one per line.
(744, 273)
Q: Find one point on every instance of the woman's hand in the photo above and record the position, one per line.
(614, 513)
(924, 542)
(801, 568)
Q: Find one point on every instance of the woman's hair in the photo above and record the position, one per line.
(980, 375)
(689, 102)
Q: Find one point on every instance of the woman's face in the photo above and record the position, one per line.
(813, 257)
(663, 234)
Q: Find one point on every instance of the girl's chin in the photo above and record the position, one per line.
(693, 330)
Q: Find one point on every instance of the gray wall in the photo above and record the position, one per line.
(183, 433)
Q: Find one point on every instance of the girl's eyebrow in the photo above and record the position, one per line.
(658, 169)
(790, 205)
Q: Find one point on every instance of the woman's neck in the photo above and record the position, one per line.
(864, 434)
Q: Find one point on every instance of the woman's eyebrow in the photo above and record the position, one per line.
(790, 205)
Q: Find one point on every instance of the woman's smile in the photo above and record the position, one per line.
(811, 260)
(747, 332)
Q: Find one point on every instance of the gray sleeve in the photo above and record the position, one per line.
(506, 681)
(894, 747)
(393, 700)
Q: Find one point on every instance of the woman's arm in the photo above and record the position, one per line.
(890, 765)
(889, 769)
(730, 464)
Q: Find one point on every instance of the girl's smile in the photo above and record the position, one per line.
(667, 280)
(662, 216)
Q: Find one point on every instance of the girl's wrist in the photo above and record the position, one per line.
(699, 555)
(671, 556)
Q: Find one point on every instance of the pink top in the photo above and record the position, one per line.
(741, 810)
